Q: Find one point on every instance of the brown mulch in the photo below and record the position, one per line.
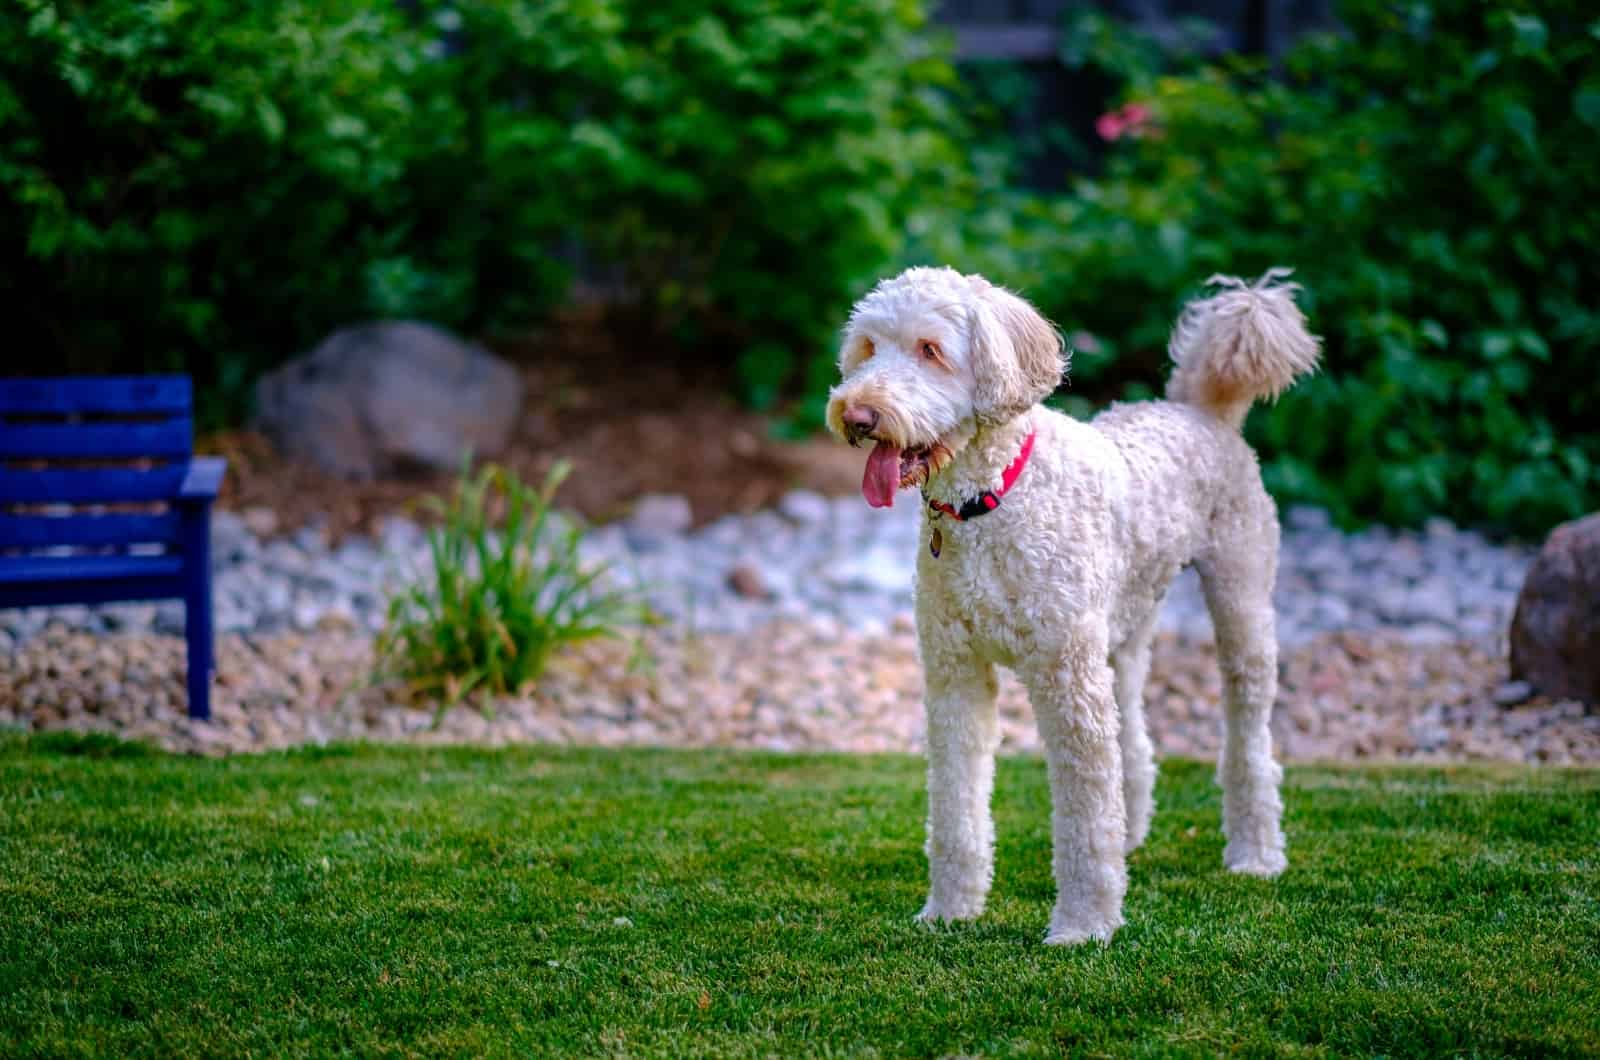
(629, 421)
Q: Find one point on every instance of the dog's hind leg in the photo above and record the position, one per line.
(1130, 665)
(1238, 590)
(1072, 696)
(963, 734)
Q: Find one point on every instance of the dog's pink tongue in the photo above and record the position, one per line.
(882, 477)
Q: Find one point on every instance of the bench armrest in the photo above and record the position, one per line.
(204, 478)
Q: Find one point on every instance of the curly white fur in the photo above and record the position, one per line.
(1061, 582)
(1248, 341)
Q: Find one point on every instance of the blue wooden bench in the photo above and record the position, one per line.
(102, 500)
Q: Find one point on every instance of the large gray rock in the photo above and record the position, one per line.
(1555, 634)
(388, 397)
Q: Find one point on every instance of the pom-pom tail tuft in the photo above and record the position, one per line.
(1243, 343)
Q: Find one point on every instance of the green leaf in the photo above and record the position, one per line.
(346, 127)
(1519, 119)
(600, 139)
(1495, 345)
(1533, 344)
(1513, 376)
(1586, 104)
(271, 119)
(1530, 31)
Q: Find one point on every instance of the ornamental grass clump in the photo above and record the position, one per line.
(498, 599)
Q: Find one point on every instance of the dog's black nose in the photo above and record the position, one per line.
(860, 420)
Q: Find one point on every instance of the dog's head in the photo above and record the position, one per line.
(929, 357)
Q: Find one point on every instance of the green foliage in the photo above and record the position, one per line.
(506, 587)
(198, 185)
(541, 902)
(1431, 175)
(745, 165)
(207, 186)
(210, 186)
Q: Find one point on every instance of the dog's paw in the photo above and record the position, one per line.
(1263, 863)
(942, 912)
(1078, 934)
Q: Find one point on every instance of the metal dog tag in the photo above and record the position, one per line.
(936, 542)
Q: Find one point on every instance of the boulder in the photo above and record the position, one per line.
(1555, 633)
(384, 398)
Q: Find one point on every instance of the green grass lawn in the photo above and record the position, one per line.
(536, 901)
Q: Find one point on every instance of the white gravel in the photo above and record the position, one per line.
(837, 564)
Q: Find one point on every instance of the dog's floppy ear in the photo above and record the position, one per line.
(1016, 354)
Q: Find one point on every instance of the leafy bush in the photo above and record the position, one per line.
(744, 166)
(211, 186)
(207, 185)
(505, 588)
(1431, 174)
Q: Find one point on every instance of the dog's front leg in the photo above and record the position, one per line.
(1077, 714)
(962, 736)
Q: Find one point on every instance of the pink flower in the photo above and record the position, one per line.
(1134, 119)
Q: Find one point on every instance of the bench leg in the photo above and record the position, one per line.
(197, 626)
(199, 681)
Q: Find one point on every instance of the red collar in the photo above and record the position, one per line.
(988, 500)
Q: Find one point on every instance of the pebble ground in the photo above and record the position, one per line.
(790, 629)
(1344, 696)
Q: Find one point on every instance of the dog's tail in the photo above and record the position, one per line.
(1246, 341)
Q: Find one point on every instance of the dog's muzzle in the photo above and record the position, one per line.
(859, 422)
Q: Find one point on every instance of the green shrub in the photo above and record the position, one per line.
(211, 186)
(745, 166)
(1431, 173)
(505, 588)
(208, 186)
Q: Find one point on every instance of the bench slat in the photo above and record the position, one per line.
(113, 528)
(117, 590)
(91, 484)
(204, 480)
(34, 570)
(38, 441)
(145, 393)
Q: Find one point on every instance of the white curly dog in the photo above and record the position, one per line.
(1048, 546)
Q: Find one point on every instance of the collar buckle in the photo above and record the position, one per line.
(988, 500)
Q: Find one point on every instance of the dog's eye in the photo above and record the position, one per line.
(867, 349)
(929, 351)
